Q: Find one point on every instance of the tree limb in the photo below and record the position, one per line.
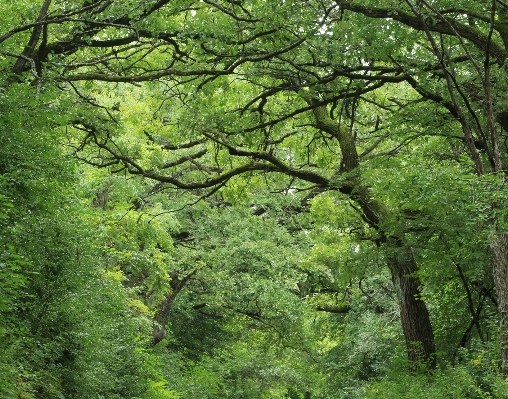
(450, 27)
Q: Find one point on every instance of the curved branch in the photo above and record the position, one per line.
(450, 27)
(229, 12)
(184, 159)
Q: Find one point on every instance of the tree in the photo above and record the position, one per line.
(315, 93)
(265, 125)
(470, 46)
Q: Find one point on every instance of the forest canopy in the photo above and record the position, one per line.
(253, 199)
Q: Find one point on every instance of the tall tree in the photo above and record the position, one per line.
(266, 128)
(469, 44)
(257, 50)
(310, 91)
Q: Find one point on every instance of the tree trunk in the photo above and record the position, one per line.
(18, 67)
(414, 315)
(162, 316)
(500, 273)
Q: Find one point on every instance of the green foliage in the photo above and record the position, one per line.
(462, 381)
(211, 199)
(68, 329)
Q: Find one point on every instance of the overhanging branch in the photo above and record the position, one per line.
(450, 27)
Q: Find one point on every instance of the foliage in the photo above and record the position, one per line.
(253, 199)
(67, 329)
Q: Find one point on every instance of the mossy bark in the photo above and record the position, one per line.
(414, 315)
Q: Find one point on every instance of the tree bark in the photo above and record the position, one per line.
(162, 316)
(414, 316)
(18, 67)
(498, 246)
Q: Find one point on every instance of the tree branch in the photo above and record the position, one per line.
(450, 27)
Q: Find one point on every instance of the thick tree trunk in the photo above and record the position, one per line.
(162, 316)
(414, 315)
(498, 248)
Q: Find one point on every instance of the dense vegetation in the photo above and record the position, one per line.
(253, 199)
